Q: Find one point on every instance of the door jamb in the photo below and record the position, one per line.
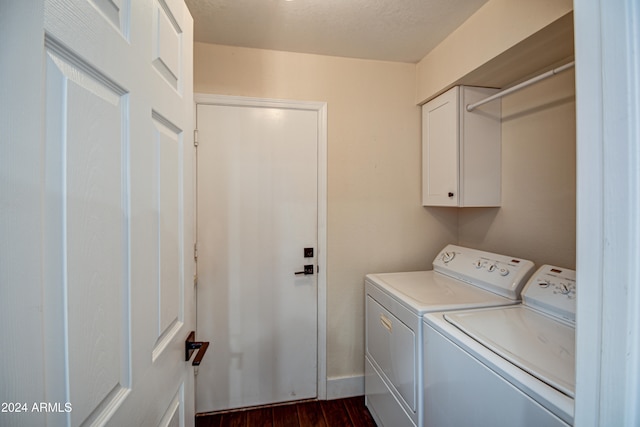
(321, 109)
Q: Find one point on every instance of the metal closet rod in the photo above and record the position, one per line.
(550, 73)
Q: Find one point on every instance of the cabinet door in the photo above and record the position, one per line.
(440, 132)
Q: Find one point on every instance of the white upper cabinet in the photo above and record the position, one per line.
(461, 156)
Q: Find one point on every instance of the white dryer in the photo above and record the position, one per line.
(395, 303)
(507, 366)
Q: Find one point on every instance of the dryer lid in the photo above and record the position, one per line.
(538, 344)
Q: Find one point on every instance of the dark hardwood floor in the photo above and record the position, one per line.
(321, 413)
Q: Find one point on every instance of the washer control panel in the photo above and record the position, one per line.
(493, 266)
(552, 290)
(501, 274)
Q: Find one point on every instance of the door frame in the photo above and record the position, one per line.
(321, 109)
(608, 209)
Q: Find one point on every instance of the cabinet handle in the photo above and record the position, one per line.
(386, 322)
(450, 194)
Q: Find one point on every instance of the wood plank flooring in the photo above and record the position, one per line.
(349, 412)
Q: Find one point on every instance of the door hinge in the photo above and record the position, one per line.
(195, 137)
(195, 252)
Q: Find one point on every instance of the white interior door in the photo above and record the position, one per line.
(114, 227)
(257, 211)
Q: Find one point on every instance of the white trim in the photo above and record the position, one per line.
(321, 109)
(322, 250)
(342, 387)
(608, 212)
(589, 216)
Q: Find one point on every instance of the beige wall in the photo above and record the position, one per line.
(375, 220)
(537, 219)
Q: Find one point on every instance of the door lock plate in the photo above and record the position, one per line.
(308, 269)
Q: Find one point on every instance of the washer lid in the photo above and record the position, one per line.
(536, 343)
(426, 291)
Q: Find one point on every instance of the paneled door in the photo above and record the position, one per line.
(257, 230)
(111, 235)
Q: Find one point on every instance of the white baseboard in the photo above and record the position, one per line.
(341, 387)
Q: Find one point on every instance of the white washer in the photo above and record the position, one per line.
(507, 366)
(395, 304)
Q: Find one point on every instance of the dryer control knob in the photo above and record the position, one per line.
(503, 271)
(448, 256)
(478, 264)
(492, 268)
(544, 284)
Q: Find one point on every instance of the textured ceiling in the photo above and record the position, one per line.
(390, 30)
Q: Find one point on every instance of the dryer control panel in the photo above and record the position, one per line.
(500, 274)
(552, 290)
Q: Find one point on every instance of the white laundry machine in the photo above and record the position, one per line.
(395, 303)
(508, 366)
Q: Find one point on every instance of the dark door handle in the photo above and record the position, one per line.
(191, 345)
(308, 269)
